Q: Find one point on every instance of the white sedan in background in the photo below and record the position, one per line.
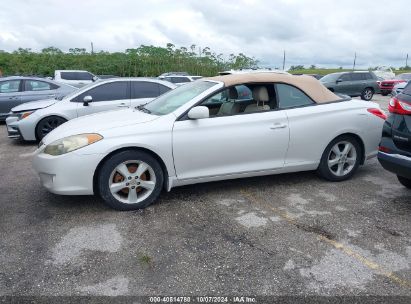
(33, 120)
(212, 129)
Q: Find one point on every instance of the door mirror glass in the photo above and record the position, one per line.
(339, 80)
(199, 112)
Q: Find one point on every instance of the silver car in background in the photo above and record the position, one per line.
(399, 87)
(34, 120)
(16, 90)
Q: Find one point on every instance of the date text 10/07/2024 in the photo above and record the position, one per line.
(202, 299)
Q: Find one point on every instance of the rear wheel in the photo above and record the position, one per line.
(48, 124)
(340, 159)
(367, 94)
(406, 182)
(130, 180)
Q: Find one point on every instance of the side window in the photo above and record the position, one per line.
(368, 76)
(144, 89)
(241, 99)
(109, 91)
(290, 97)
(358, 76)
(76, 76)
(184, 79)
(9, 86)
(67, 76)
(163, 89)
(84, 76)
(345, 77)
(34, 85)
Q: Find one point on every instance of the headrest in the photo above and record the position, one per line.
(232, 93)
(260, 94)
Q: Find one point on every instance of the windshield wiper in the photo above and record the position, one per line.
(143, 109)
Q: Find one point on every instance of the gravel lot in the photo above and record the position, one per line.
(290, 234)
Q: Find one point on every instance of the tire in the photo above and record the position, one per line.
(367, 94)
(339, 167)
(406, 182)
(122, 169)
(48, 124)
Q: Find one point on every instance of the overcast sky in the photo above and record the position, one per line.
(320, 32)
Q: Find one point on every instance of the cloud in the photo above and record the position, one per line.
(321, 32)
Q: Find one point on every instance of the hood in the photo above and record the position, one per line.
(99, 122)
(34, 105)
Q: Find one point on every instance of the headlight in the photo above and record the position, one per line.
(21, 115)
(71, 143)
(24, 114)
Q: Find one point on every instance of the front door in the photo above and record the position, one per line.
(232, 143)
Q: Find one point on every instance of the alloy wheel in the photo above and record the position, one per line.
(132, 181)
(342, 158)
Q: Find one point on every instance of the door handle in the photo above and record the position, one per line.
(122, 105)
(278, 126)
(13, 97)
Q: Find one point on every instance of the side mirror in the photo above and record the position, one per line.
(199, 112)
(95, 78)
(86, 100)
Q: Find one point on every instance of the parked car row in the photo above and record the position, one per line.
(34, 120)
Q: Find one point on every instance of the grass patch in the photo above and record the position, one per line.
(145, 260)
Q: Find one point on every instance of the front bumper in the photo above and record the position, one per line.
(69, 174)
(13, 130)
(396, 163)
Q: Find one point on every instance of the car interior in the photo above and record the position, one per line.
(240, 99)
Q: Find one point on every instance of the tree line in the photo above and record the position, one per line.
(145, 60)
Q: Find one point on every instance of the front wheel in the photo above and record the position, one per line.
(340, 159)
(367, 94)
(48, 124)
(130, 180)
(406, 182)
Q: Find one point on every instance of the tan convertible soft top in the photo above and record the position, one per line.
(308, 84)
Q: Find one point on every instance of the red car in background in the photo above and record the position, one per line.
(387, 85)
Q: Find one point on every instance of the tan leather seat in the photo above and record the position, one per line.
(260, 95)
(230, 107)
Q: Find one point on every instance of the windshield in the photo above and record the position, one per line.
(330, 78)
(75, 92)
(174, 99)
(405, 76)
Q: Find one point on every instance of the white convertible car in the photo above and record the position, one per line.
(212, 129)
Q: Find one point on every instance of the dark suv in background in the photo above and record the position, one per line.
(395, 147)
(356, 83)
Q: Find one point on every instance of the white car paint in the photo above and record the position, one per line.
(68, 108)
(208, 149)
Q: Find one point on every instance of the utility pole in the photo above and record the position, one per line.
(92, 48)
(284, 61)
(406, 61)
(355, 58)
